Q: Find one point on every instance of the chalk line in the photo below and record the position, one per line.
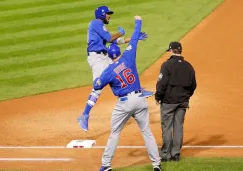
(36, 159)
(121, 147)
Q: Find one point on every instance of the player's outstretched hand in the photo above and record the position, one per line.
(137, 17)
(142, 36)
(121, 30)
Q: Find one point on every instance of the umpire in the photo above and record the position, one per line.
(175, 86)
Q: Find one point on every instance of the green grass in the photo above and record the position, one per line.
(43, 43)
(196, 164)
(187, 164)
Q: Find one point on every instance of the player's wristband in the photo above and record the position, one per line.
(120, 40)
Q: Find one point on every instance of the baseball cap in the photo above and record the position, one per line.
(174, 45)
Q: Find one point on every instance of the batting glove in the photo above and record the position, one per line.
(121, 30)
(142, 36)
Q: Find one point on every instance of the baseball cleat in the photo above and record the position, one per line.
(157, 168)
(107, 168)
(84, 122)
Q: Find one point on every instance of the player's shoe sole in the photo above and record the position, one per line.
(157, 168)
(84, 122)
(105, 168)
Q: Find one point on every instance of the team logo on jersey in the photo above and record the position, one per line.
(129, 47)
(98, 82)
(160, 76)
(104, 28)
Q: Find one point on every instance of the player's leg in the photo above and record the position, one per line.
(98, 63)
(178, 131)
(118, 120)
(167, 117)
(97, 69)
(142, 118)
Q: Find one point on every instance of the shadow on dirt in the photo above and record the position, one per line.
(213, 140)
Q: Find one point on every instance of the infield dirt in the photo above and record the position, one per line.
(214, 48)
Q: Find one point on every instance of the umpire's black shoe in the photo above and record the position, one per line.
(165, 160)
(157, 168)
(176, 158)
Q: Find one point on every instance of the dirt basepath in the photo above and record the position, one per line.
(214, 48)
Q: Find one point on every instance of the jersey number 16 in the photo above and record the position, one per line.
(129, 77)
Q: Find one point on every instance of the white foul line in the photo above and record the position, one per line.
(31, 147)
(36, 159)
(213, 146)
(192, 146)
(122, 147)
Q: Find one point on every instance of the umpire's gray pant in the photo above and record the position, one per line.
(172, 120)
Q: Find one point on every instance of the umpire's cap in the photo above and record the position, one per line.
(113, 51)
(175, 45)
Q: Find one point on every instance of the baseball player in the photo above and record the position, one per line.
(122, 76)
(97, 59)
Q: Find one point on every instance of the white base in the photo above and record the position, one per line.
(81, 144)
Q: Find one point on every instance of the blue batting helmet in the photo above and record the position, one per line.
(101, 11)
(113, 51)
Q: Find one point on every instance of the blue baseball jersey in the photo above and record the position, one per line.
(122, 76)
(97, 36)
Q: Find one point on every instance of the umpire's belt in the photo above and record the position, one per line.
(99, 52)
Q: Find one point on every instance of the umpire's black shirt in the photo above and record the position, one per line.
(176, 82)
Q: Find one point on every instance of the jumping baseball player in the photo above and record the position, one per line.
(98, 60)
(122, 76)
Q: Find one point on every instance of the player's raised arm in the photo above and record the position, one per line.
(136, 36)
(137, 30)
(120, 33)
(122, 40)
